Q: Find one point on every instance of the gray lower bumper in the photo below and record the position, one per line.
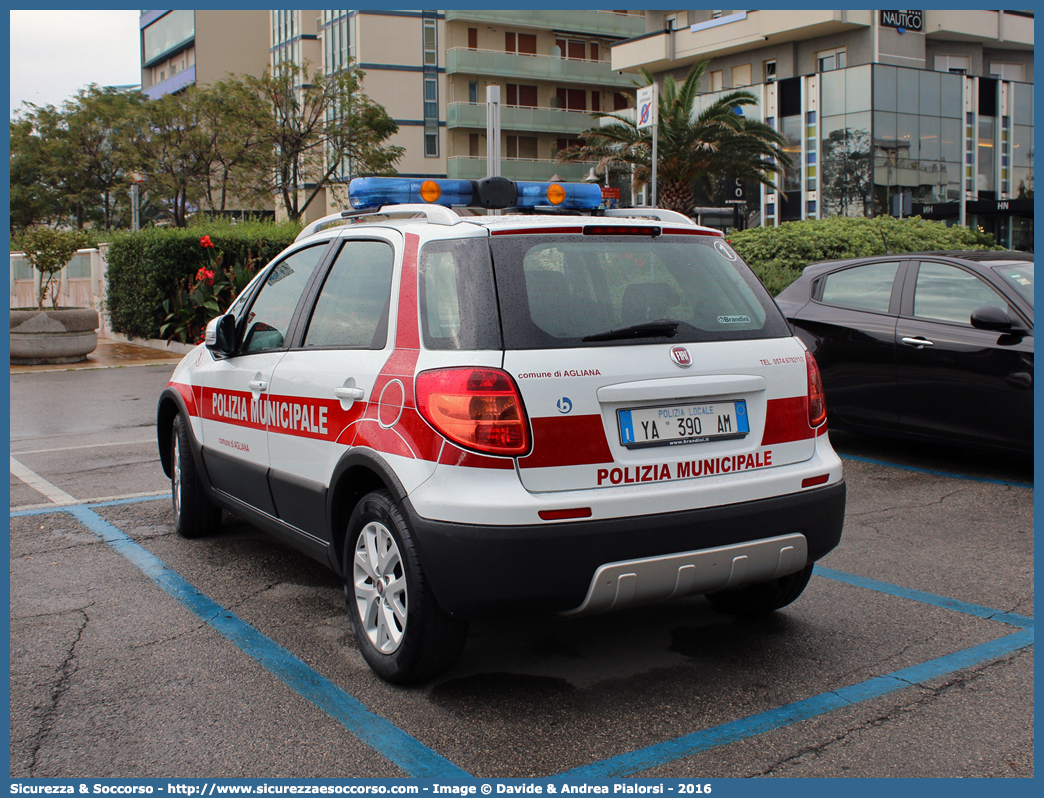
(618, 585)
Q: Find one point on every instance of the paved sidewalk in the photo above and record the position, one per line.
(111, 355)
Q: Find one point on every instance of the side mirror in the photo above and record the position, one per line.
(221, 335)
(991, 318)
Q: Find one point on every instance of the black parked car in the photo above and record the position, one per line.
(932, 345)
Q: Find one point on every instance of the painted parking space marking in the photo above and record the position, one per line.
(384, 737)
(417, 759)
(753, 725)
(41, 485)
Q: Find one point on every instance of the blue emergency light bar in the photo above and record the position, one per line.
(492, 193)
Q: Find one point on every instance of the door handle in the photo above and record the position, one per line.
(258, 385)
(349, 394)
(918, 342)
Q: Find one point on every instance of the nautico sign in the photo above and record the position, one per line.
(903, 20)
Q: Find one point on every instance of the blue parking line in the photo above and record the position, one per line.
(418, 760)
(934, 472)
(672, 750)
(927, 598)
(387, 739)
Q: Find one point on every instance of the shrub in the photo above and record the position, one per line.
(149, 266)
(779, 254)
(48, 251)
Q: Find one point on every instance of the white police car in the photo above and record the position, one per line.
(469, 415)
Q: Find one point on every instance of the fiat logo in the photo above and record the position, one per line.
(681, 356)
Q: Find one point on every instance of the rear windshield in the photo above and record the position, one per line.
(557, 291)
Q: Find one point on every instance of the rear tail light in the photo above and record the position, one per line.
(817, 412)
(478, 408)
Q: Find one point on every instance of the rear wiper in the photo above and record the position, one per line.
(661, 328)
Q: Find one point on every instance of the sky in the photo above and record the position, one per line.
(54, 54)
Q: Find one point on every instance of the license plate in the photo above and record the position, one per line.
(673, 425)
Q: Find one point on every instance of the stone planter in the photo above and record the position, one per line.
(66, 335)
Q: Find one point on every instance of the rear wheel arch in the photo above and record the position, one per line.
(357, 474)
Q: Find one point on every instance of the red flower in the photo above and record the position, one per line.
(206, 242)
(205, 275)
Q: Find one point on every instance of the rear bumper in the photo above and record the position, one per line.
(482, 571)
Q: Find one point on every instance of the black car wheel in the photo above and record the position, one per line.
(762, 597)
(399, 627)
(194, 515)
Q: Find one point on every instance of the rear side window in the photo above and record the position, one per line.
(458, 301)
(352, 309)
(556, 290)
(867, 287)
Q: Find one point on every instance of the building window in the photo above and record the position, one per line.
(472, 38)
(770, 71)
(716, 81)
(521, 43)
(431, 55)
(431, 145)
(957, 64)
(1007, 71)
(431, 98)
(522, 147)
(829, 60)
(521, 96)
(473, 91)
(741, 75)
(572, 49)
(167, 32)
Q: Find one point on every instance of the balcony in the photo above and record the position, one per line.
(466, 168)
(735, 33)
(540, 120)
(590, 23)
(533, 67)
(1006, 30)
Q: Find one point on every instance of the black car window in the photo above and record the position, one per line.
(866, 287)
(352, 309)
(948, 293)
(1020, 277)
(268, 320)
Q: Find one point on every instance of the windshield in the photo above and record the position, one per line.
(1020, 277)
(572, 291)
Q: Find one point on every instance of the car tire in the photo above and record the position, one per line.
(399, 627)
(762, 597)
(194, 515)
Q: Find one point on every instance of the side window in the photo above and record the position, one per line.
(458, 302)
(268, 320)
(352, 309)
(947, 293)
(867, 287)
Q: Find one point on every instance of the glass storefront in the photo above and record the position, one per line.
(886, 133)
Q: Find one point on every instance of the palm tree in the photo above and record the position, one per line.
(719, 142)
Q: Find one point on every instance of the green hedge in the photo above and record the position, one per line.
(151, 263)
(779, 254)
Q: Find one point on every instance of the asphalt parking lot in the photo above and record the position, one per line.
(135, 653)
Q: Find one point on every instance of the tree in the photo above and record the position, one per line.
(848, 184)
(72, 162)
(691, 147)
(318, 128)
(168, 156)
